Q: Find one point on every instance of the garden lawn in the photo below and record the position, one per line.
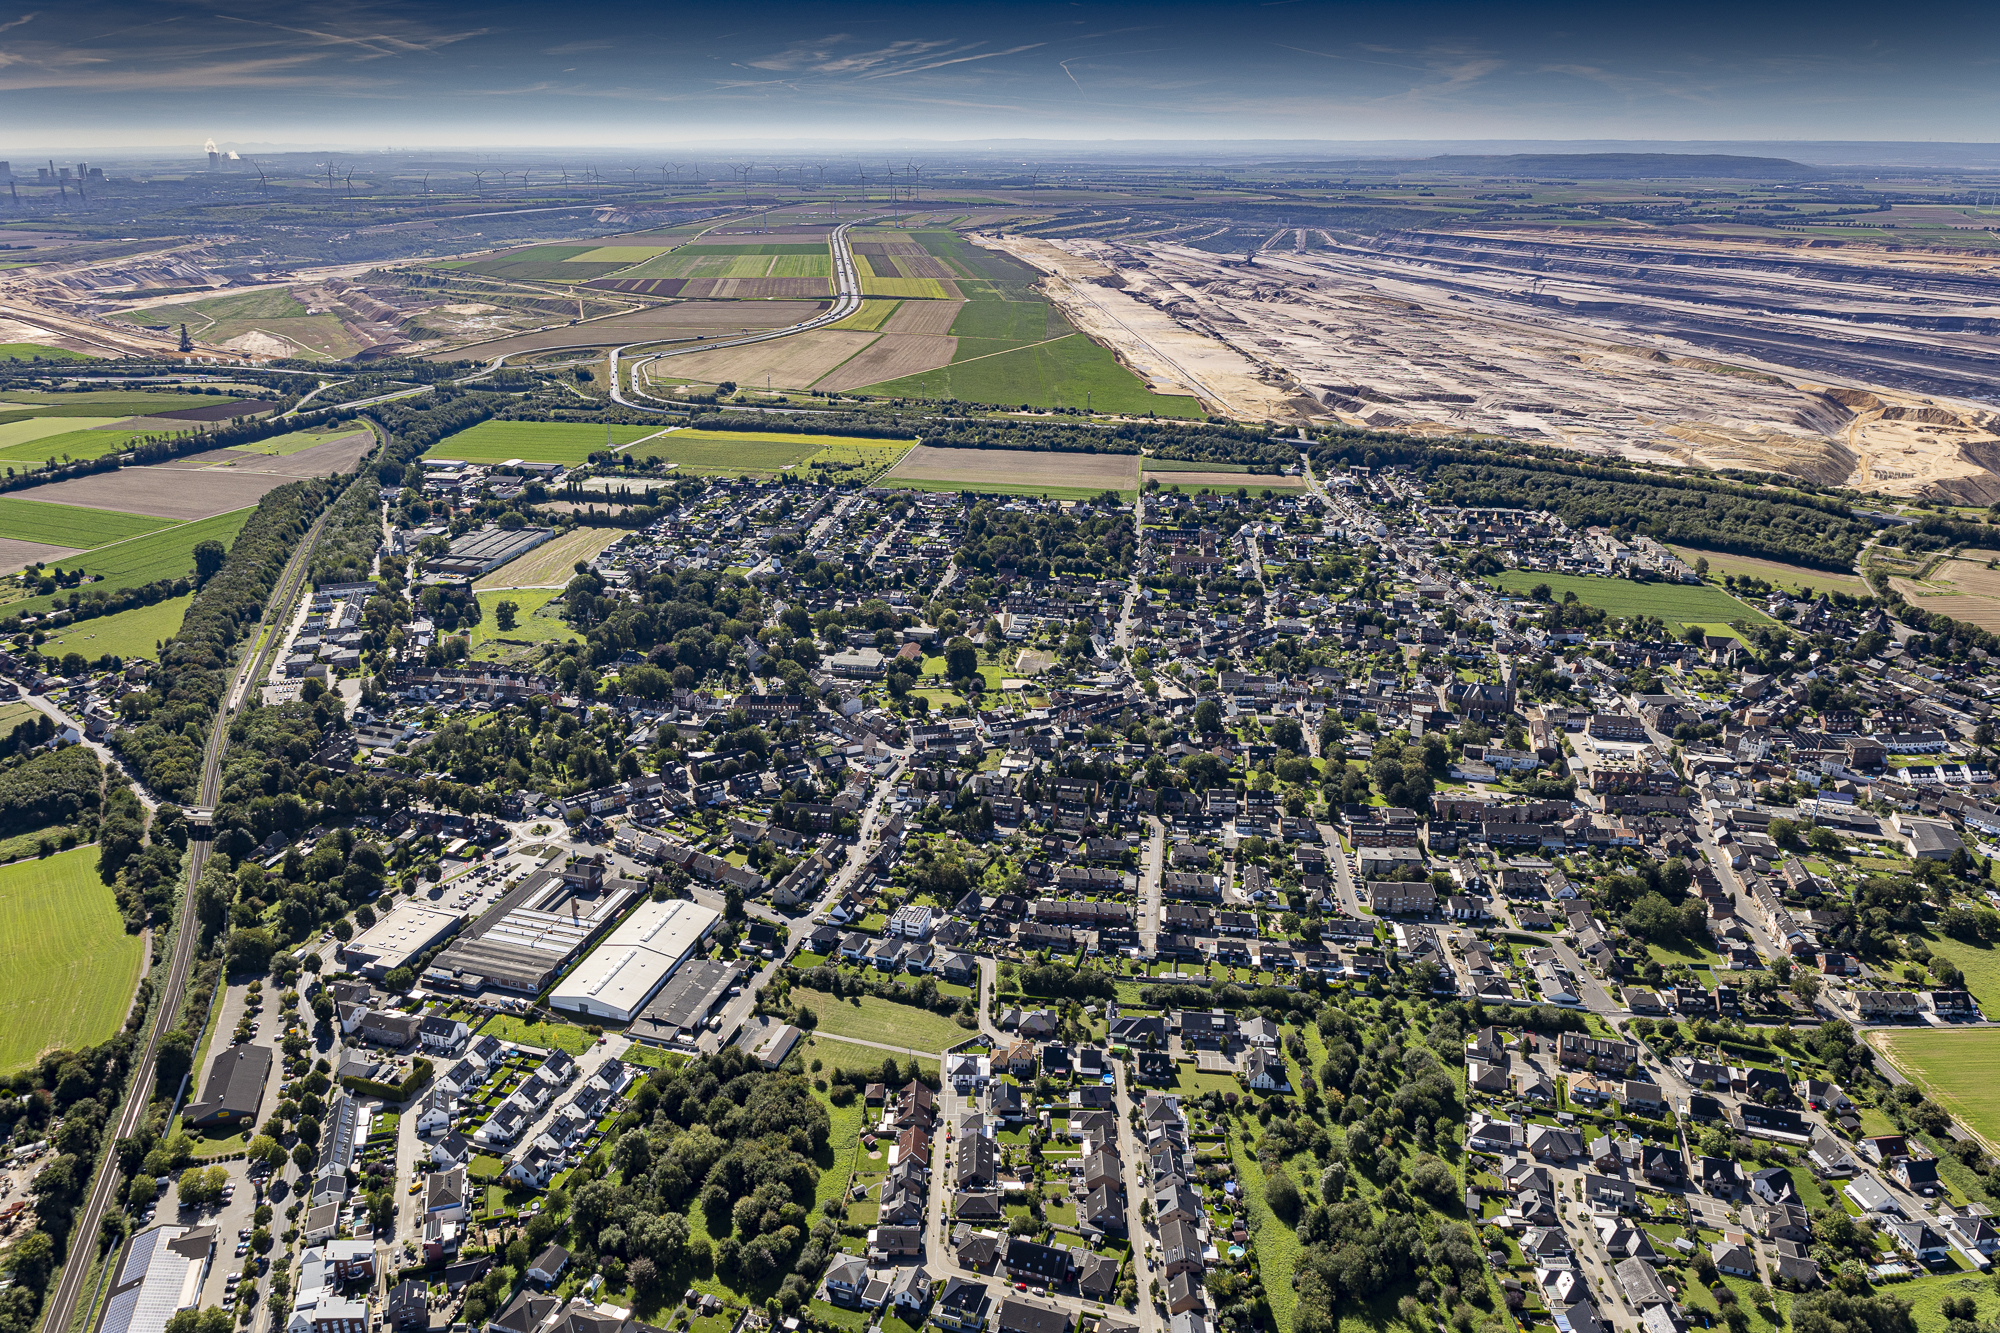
(871, 1018)
(67, 967)
(563, 1036)
(1277, 1245)
(1675, 603)
(127, 634)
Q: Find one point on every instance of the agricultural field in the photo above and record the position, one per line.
(796, 362)
(869, 318)
(67, 967)
(70, 445)
(168, 553)
(1959, 1069)
(568, 443)
(539, 263)
(203, 485)
(707, 318)
(1793, 578)
(537, 623)
(1962, 587)
(27, 430)
(127, 634)
(732, 452)
(1071, 371)
(284, 446)
(1225, 481)
(67, 525)
(1014, 471)
(553, 563)
(275, 313)
(1677, 604)
(40, 352)
(869, 457)
(100, 407)
(1182, 465)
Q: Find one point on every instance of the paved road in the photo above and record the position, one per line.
(61, 1308)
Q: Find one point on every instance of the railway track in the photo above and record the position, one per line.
(60, 1309)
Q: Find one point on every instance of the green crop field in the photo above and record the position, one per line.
(1959, 1069)
(39, 351)
(562, 442)
(802, 266)
(168, 553)
(618, 254)
(732, 451)
(29, 429)
(871, 316)
(97, 408)
(1675, 603)
(69, 525)
(67, 967)
(127, 634)
(280, 446)
(75, 445)
(1070, 372)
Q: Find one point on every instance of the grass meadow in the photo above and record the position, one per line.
(75, 445)
(1072, 371)
(39, 352)
(871, 1018)
(127, 634)
(1675, 603)
(67, 967)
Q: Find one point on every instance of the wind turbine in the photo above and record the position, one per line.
(479, 183)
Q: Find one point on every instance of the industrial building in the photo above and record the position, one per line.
(533, 932)
(235, 1089)
(635, 960)
(685, 1002)
(398, 938)
(161, 1274)
(486, 550)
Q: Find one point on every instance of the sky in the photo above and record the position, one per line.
(422, 74)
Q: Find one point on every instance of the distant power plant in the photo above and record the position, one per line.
(214, 154)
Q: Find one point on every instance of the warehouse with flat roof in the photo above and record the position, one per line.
(532, 933)
(487, 549)
(398, 938)
(616, 979)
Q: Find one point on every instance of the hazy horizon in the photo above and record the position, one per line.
(122, 76)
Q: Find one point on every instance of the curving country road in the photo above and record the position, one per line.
(60, 1309)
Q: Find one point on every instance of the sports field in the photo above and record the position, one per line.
(1675, 603)
(68, 525)
(67, 967)
(568, 443)
(168, 553)
(729, 452)
(1959, 1069)
(127, 634)
(1014, 471)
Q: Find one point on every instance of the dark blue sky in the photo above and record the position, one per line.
(423, 74)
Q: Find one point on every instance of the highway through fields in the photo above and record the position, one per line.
(61, 1308)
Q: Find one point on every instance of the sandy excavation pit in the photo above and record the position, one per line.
(1728, 358)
